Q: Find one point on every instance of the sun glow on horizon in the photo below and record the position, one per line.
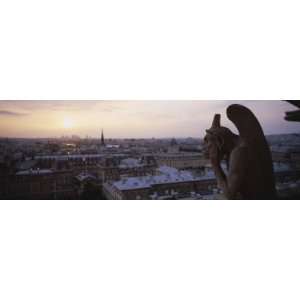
(68, 123)
(133, 119)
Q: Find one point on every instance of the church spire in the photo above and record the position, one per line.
(102, 138)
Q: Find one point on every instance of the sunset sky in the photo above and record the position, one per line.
(136, 119)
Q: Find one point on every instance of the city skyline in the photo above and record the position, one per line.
(130, 119)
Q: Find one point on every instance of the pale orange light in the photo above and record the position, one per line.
(68, 123)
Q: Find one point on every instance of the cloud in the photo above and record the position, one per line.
(11, 113)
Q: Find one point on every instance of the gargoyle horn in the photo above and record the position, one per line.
(215, 124)
(216, 121)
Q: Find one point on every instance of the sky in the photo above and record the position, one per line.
(131, 119)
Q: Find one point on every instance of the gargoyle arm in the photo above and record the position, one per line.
(237, 171)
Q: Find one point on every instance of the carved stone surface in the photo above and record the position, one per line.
(249, 162)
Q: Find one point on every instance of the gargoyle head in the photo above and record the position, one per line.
(218, 138)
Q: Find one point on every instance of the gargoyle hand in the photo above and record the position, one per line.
(215, 156)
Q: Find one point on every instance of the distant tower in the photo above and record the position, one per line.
(173, 142)
(174, 147)
(102, 139)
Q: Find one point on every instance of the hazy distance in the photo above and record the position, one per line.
(131, 119)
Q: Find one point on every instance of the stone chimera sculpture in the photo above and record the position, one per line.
(248, 157)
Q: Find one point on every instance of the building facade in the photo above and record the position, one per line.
(169, 184)
(180, 160)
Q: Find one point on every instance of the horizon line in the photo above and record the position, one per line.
(136, 138)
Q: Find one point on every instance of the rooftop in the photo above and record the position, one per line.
(179, 154)
(130, 163)
(35, 172)
(84, 176)
(167, 175)
(66, 157)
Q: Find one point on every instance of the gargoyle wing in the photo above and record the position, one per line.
(259, 154)
(246, 123)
